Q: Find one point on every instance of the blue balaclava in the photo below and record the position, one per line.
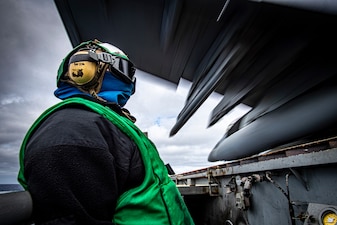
(113, 90)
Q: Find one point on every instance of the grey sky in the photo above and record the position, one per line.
(33, 43)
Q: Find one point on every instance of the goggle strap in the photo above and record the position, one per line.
(80, 57)
(103, 57)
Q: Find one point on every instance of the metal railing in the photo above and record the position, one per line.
(16, 208)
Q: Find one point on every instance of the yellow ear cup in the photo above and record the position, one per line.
(82, 72)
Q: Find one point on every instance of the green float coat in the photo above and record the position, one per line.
(157, 200)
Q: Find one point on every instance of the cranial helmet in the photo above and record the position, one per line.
(85, 66)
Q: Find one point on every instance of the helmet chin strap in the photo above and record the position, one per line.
(94, 94)
(95, 88)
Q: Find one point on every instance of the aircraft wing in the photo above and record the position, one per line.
(277, 56)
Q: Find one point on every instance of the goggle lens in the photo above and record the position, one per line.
(124, 68)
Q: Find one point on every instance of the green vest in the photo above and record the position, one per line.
(157, 200)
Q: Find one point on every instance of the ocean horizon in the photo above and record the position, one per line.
(5, 188)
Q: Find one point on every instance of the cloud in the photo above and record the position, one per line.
(157, 107)
(33, 43)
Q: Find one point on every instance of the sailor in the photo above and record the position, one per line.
(84, 161)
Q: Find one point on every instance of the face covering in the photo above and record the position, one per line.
(113, 90)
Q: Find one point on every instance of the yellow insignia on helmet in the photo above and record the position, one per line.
(82, 72)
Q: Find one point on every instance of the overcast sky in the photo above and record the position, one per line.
(33, 43)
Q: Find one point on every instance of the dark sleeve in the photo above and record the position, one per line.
(76, 166)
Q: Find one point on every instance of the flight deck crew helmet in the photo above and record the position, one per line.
(85, 66)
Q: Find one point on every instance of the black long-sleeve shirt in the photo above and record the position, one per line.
(77, 164)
